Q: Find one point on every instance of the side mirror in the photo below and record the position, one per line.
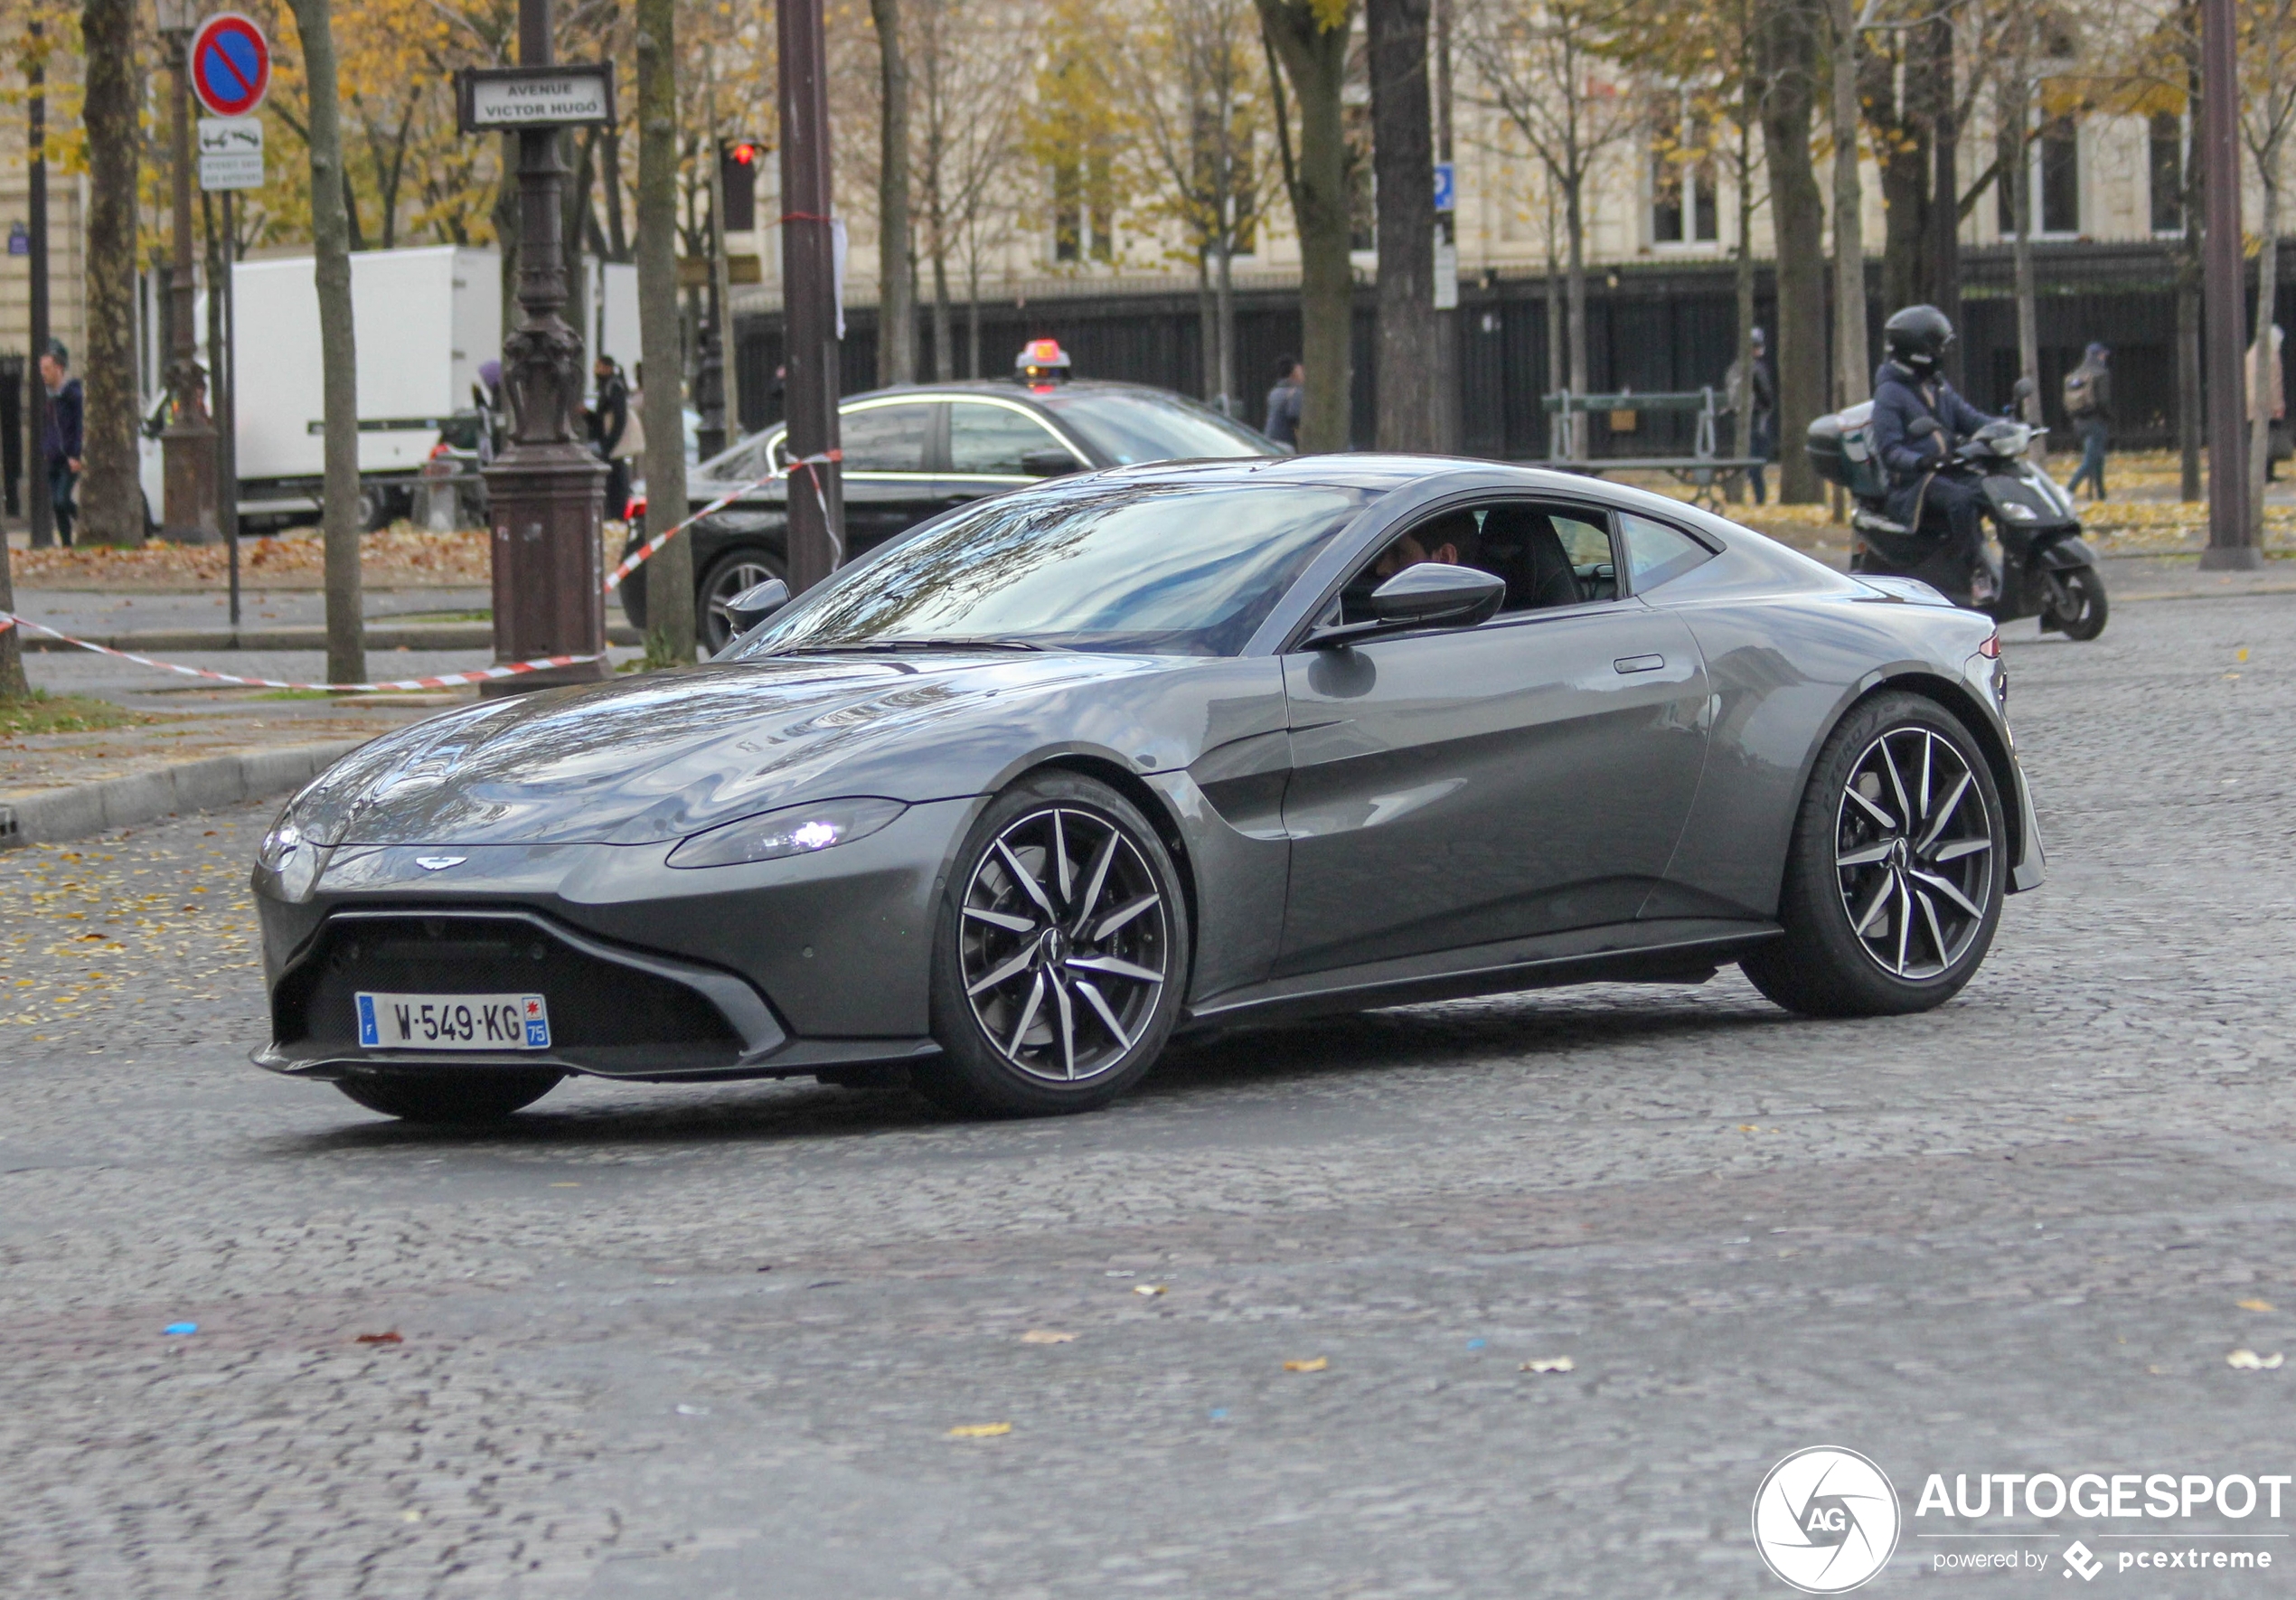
(1428, 594)
(1049, 464)
(1921, 427)
(2022, 389)
(751, 606)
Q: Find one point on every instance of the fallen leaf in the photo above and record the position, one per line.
(2248, 1360)
(1550, 1364)
(1317, 1365)
(1046, 1336)
(1147, 1288)
(392, 1337)
(980, 1430)
(2254, 1304)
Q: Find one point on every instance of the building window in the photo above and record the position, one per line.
(1083, 224)
(1683, 209)
(2167, 167)
(2060, 176)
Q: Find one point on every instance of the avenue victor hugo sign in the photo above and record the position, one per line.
(493, 98)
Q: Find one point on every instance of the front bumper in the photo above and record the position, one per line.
(651, 973)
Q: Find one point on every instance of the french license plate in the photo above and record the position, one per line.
(454, 1021)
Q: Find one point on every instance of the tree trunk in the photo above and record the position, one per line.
(1560, 430)
(111, 503)
(1788, 39)
(338, 356)
(944, 340)
(1206, 329)
(1902, 150)
(2260, 434)
(1742, 402)
(2017, 113)
(669, 585)
(1945, 194)
(1852, 381)
(2190, 404)
(1403, 165)
(617, 236)
(1314, 58)
(1224, 316)
(897, 288)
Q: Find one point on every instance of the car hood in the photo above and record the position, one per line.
(653, 759)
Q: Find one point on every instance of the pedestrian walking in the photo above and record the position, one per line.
(60, 441)
(2088, 404)
(2268, 398)
(1283, 401)
(1757, 406)
(609, 421)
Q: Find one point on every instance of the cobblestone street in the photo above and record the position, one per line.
(714, 1341)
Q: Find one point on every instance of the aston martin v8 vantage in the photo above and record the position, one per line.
(1018, 797)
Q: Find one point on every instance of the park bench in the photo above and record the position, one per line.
(1705, 472)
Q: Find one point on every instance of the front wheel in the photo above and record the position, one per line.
(1061, 953)
(2075, 604)
(453, 1097)
(1895, 872)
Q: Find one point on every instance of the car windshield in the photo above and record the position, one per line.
(1166, 569)
(1130, 427)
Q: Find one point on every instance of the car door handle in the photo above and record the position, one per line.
(1638, 663)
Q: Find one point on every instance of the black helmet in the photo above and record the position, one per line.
(1917, 336)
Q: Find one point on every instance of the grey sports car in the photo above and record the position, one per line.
(1017, 797)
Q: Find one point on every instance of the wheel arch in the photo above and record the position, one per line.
(1160, 817)
(1962, 702)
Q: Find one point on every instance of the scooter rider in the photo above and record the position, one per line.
(1908, 386)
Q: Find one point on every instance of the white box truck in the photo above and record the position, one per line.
(424, 321)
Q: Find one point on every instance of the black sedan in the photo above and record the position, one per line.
(1016, 798)
(913, 453)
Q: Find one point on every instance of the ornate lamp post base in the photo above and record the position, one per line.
(548, 501)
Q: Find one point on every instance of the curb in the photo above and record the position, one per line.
(145, 796)
(442, 635)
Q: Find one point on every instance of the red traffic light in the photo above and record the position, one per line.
(742, 153)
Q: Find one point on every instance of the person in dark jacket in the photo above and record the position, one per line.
(1283, 401)
(609, 419)
(1908, 386)
(60, 442)
(2088, 402)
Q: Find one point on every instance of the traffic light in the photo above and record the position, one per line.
(738, 162)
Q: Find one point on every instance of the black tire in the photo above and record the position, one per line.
(2086, 619)
(453, 1097)
(742, 567)
(1096, 954)
(1849, 850)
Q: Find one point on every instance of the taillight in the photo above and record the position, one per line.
(634, 511)
(1992, 649)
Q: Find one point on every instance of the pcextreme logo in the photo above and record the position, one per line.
(1826, 1520)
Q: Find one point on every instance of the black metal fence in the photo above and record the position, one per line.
(1650, 326)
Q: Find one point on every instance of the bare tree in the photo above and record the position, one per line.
(1542, 66)
(1403, 165)
(669, 588)
(111, 505)
(1307, 41)
(963, 78)
(340, 516)
(897, 288)
(1848, 21)
(1786, 46)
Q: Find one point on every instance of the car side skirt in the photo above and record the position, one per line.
(1661, 951)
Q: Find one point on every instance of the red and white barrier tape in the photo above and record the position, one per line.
(638, 557)
(446, 681)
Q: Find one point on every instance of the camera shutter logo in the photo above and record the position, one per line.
(1826, 1520)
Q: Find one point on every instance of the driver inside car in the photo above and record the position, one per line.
(1444, 541)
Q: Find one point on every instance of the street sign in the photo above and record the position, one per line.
(1447, 276)
(489, 99)
(230, 64)
(231, 153)
(1446, 193)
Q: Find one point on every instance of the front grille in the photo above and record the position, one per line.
(603, 1013)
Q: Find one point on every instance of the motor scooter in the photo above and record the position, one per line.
(2047, 570)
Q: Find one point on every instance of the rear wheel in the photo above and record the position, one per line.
(455, 1097)
(732, 574)
(1895, 876)
(2075, 605)
(1060, 955)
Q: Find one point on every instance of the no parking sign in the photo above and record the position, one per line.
(230, 64)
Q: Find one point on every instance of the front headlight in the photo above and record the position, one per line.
(2017, 511)
(794, 830)
(292, 858)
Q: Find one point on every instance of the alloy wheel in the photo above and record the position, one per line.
(1915, 852)
(1065, 944)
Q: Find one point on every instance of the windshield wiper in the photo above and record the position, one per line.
(888, 646)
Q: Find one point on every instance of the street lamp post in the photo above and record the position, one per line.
(2231, 543)
(188, 446)
(546, 493)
